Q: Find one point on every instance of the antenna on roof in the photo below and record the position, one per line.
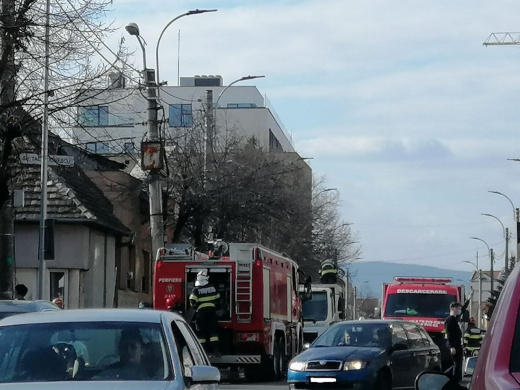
(179, 59)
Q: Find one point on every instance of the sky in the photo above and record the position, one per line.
(398, 103)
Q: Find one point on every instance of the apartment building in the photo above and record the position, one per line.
(113, 122)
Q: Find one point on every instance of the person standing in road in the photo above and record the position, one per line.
(454, 337)
(472, 338)
(20, 291)
(205, 299)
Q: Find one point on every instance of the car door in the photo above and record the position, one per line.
(194, 354)
(400, 361)
(418, 349)
(433, 360)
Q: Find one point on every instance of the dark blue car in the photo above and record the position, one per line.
(372, 354)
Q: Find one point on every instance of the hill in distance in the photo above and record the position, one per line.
(369, 276)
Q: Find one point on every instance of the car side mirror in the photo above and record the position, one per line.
(433, 381)
(204, 375)
(469, 367)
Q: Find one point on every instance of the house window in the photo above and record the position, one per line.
(93, 116)
(129, 147)
(180, 115)
(98, 147)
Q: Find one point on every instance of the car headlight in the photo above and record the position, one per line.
(297, 366)
(354, 365)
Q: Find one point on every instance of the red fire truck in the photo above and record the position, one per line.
(260, 323)
(425, 301)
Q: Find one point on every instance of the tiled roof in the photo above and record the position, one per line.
(485, 273)
(72, 197)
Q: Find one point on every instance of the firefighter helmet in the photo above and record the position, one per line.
(170, 302)
(202, 278)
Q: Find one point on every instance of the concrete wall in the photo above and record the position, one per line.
(85, 264)
(71, 246)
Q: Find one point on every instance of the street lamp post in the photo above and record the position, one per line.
(516, 217)
(155, 187)
(491, 260)
(505, 231)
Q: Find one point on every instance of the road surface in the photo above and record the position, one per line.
(254, 386)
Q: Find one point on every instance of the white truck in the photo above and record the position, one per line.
(327, 306)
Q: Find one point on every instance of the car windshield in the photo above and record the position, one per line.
(419, 305)
(315, 308)
(84, 351)
(362, 334)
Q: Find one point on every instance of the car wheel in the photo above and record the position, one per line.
(383, 381)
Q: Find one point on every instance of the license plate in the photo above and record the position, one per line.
(322, 380)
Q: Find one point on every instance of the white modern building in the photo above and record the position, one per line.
(114, 121)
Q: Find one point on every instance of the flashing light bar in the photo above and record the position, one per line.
(412, 279)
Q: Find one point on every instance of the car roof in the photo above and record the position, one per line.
(370, 321)
(14, 306)
(90, 315)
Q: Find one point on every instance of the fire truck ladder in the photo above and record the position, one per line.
(243, 291)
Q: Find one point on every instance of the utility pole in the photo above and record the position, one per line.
(507, 252)
(208, 136)
(7, 96)
(479, 297)
(492, 258)
(155, 188)
(517, 217)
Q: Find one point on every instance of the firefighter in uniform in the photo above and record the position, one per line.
(328, 272)
(205, 299)
(472, 338)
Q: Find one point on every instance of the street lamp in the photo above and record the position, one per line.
(516, 217)
(505, 231)
(491, 260)
(194, 12)
(153, 146)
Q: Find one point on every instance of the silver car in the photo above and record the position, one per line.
(102, 349)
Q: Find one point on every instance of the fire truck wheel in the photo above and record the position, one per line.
(278, 358)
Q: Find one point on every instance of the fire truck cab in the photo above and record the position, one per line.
(260, 317)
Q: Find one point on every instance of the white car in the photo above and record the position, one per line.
(102, 349)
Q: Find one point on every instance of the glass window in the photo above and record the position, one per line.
(195, 348)
(414, 336)
(398, 334)
(315, 309)
(180, 115)
(426, 338)
(514, 364)
(93, 116)
(129, 147)
(419, 305)
(367, 334)
(185, 357)
(102, 147)
(83, 351)
(91, 147)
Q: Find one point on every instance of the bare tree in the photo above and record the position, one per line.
(332, 237)
(242, 193)
(78, 61)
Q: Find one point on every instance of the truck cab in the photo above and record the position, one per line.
(326, 307)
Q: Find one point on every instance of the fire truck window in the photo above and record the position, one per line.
(294, 279)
